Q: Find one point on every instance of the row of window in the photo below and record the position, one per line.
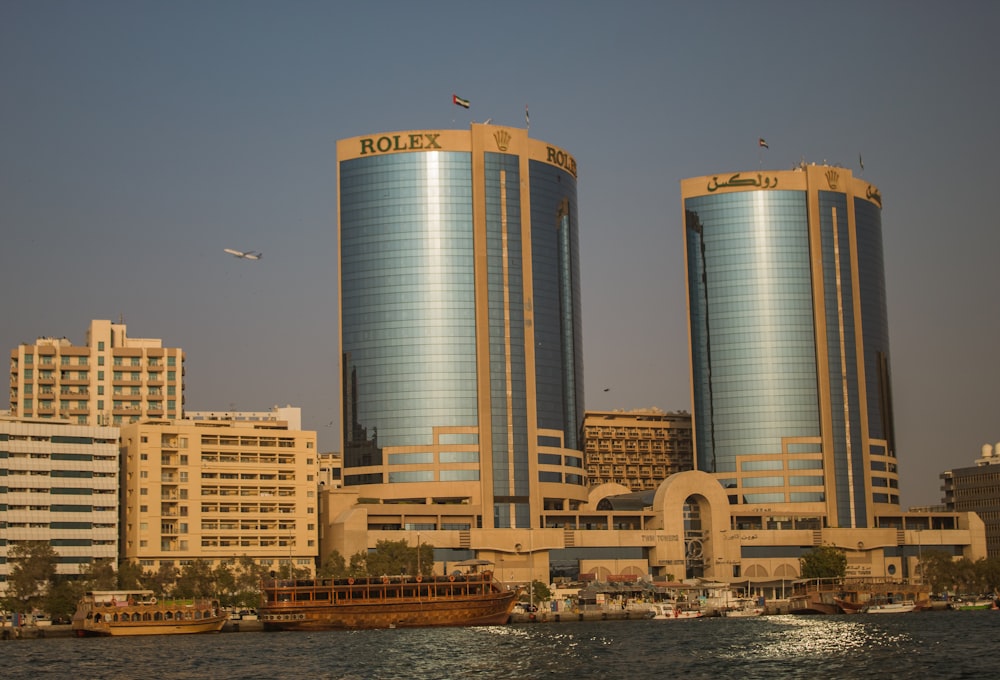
(64, 360)
(133, 376)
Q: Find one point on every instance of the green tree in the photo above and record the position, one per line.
(224, 578)
(162, 581)
(62, 598)
(937, 570)
(989, 574)
(967, 578)
(359, 564)
(249, 576)
(99, 575)
(32, 572)
(824, 561)
(540, 592)
(132, 577)
(196, 580)
(393, 557)
(334, 566)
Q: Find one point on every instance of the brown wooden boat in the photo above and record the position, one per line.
(114, 612)
(387, 602)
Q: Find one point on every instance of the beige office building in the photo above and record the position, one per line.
(218, 491)
(110, 380)
(637, 449)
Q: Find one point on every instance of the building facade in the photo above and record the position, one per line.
(111, 380)
(789, 344)
(218, 490)
(460, 323)
(58, 484)
(637, 449)
(977, 489)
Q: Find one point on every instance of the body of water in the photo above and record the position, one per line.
(918, 645)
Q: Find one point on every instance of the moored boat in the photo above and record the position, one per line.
(137, 612)
(972, 605)
(742, 608)
(672, 610)
(474, 599)
(849, 606)
(899, 607)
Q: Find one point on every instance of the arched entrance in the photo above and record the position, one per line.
(697, 520)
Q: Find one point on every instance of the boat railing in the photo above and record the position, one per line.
(324, 592)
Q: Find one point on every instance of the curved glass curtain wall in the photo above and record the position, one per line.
(557, 308)
(407, 285)
(508, 372)
(874, 320)
(753, 345)
(839, 297)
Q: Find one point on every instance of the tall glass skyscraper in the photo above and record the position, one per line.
(790, 344)
(460, 323)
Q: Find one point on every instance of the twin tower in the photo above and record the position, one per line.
(461, 336)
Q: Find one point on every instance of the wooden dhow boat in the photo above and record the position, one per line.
(137, 612)
(474, 599)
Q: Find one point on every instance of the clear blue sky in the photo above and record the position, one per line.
(139, 139)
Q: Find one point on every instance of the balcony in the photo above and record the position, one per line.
(66, 380)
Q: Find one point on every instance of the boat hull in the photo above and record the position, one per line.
(374, 603)
(494, 611)
(152, 628)
(892, 608)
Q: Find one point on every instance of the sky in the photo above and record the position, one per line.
(138, 139)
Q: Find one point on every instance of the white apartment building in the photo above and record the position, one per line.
(58, 483)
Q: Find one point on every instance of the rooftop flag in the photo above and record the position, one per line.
(455, 99)
(527, 119)
(762, 143)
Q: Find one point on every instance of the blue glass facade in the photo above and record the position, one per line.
(558, 317)
(789, 341)
(407, 291)
(425, 237)
(753, 346)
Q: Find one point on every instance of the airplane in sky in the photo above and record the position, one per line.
(248, 255)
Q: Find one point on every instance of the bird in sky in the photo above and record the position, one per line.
(248, 255)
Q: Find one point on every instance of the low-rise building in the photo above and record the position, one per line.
(685, 528)
(977, 489)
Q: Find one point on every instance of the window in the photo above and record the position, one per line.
(100, 345)
(100, 360)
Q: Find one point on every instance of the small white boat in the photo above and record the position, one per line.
(671, 610)
(891, 607)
